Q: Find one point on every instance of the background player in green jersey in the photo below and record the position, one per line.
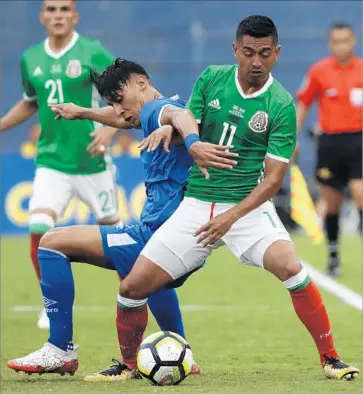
(56, 71)
(246, 107)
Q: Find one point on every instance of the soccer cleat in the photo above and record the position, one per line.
(195, 370)
(48, 359)
(336, 369)
(116, 372)
(43, 321)
(334, 269)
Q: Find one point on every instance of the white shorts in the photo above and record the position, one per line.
(173, 246)
(54, 190)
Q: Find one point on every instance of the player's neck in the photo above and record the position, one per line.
(57, 44)
(344, 62)
(249, 88)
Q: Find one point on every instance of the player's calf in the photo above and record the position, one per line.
(281, 260)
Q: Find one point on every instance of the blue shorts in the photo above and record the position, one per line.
(122, 246)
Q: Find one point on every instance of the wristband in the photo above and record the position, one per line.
(189, 141)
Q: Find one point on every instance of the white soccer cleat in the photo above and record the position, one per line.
(43, 320)
(48, 359)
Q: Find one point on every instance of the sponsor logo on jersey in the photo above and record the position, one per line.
(331, 92)
(214, 104)
(47, 302)
(259, 122)
(56, 69)
(74, 69)
(237, 111)
(38, 71)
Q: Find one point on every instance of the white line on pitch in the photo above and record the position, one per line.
(330, 285)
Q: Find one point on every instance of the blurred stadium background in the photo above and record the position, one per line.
(174, 40)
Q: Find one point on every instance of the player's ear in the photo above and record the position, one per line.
(278, 49)
(41, 17)
(76, 17)
(141, 82)
(234, 49)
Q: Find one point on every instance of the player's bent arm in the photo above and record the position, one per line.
(275, 171)
(106, 115)
(18, 114)
(181, 119)
(302, 111)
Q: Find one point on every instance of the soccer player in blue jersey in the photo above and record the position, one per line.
(127, 88)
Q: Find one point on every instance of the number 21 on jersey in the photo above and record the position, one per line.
(55, 89)
(229, 129)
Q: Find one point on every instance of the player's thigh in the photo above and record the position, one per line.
(356, 190)
(173, 247)
(52, 191)
(252, 235)
(81, 243)
(123, 244)
(98, 191)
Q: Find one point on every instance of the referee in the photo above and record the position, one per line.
(336, 84)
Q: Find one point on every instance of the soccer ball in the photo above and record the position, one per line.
(164, 358)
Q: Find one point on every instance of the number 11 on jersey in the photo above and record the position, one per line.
(232, 131)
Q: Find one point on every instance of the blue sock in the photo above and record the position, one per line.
(58, 295)
(164, 305)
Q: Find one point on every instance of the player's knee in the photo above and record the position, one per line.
(129, 290)
(54, 239)
(281, 260)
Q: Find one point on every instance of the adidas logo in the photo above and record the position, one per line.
(214, 104)
(48, 302)
(37, 71)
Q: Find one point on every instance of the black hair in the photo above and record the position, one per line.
(257, 26)
(115, 76)
(341, 25)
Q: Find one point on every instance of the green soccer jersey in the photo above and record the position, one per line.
(259, 125)
(54, 78)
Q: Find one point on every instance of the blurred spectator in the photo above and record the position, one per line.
(336, 83)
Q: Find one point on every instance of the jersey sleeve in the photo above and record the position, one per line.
(151, 114)
(282, 135)
(310, 88)
(101, 57)
(29, 93)
(196, 102)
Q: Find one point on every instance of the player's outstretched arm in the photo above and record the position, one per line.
(105, 115)
(18, 114)
(205, 154)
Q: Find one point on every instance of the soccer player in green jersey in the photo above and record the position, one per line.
(244, 106)
(56, 71)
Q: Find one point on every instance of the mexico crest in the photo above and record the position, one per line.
(74, 69)
(259, 122)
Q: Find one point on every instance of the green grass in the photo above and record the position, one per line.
(251, 342)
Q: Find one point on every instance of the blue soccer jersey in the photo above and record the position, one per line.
(166, 175)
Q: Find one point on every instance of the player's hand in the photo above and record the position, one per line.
(211, 232)
(206, 155)
(102, 139)
(295, 155)
(68, 111)
(162, 135)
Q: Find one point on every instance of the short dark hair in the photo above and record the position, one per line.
(115, 76)
(257, 26)
(341, 25)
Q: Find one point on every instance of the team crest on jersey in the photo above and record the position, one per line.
(259, 122)
(74, 69)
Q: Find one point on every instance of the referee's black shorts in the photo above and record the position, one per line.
(339, 159)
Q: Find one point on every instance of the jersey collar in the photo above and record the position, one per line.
(256, 94)
(58, 55)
